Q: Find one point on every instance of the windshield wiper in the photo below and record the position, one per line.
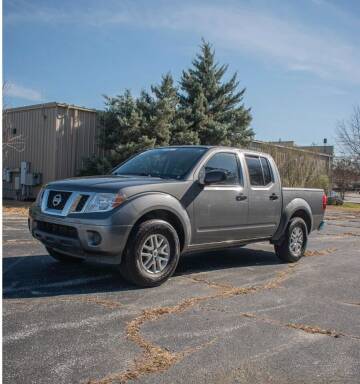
(133, 174)
(165, 177)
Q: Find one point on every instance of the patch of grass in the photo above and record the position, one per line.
(351, 205)
(17, 208)
(346, 206)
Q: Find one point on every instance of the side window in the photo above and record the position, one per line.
(226, 162)
(268, 176)
(260, 171)
(255, 170)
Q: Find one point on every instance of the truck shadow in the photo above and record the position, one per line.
(41, 276)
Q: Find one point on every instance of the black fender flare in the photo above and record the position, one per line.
(294, 206)
(139, 205)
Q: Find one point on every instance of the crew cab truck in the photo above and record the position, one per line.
(167, 201)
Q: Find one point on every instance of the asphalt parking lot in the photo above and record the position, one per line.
(233, 316)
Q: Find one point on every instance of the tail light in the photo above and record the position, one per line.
(324, 201)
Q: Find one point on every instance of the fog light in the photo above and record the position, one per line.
(94, 237)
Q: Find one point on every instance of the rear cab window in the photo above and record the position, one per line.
(267, 171)
(260, 172)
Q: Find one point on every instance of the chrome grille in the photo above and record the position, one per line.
(62, 203)
(57, 200)
(81, 204)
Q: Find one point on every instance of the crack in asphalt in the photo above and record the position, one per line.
(352, 234)
(156, 359)
(356, 304)
(320, 252)
(313, 329)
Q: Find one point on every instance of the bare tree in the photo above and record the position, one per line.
(348, 133)
(299, 168)
(10, 140)
(345, 174)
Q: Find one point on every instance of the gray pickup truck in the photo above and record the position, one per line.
(167, 201)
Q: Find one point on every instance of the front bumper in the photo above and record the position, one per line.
(79, 241)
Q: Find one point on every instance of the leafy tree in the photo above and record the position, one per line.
(211, 107)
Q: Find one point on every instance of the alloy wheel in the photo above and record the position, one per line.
(296, 241)
(155, 253)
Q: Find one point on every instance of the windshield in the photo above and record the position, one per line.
(166, 163)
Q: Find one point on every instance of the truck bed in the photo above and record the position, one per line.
(312, 196)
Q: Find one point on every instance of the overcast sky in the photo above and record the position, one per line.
(299, 60)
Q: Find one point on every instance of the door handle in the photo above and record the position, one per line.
(274, 196)
(241, 197)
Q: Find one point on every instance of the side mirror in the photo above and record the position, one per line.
(201, 176)
(213, 177)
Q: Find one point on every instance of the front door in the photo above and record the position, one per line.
(221, 209)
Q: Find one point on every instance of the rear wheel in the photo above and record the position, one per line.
(151, 255)
(61, 257)
(293, 247)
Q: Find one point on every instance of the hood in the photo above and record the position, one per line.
(107, 183)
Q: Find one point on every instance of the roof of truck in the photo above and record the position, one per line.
(249, 151)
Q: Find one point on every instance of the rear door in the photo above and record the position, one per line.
(264, 196)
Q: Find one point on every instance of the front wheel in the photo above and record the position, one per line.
(293, 247)
(152, 254)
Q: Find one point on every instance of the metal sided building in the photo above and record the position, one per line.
(45, 142)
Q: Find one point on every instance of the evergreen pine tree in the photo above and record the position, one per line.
(212, 108)
(123, 132)
(208, 110)
(163, 110)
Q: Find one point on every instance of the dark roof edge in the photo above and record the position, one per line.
(52, 104)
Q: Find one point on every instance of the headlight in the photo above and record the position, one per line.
(39, 197)
(103, 202)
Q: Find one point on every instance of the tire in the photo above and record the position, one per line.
(141, 262)
(61, 257)
(292, 250)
